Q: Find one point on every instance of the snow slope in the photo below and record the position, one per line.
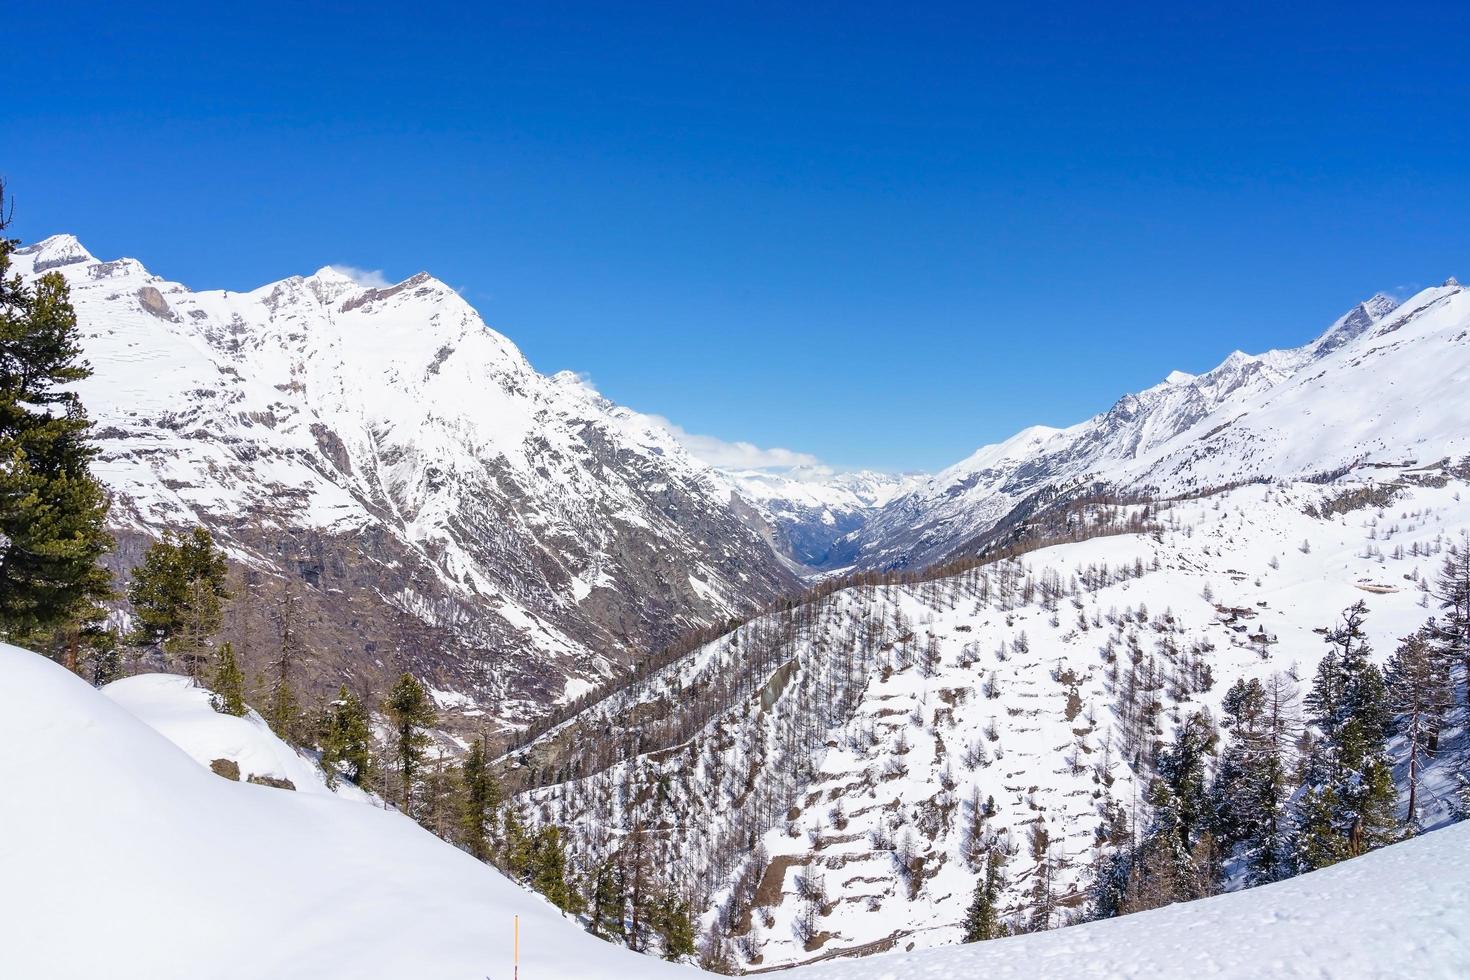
(1385, 383)
(1403, 911)
(122, 857)
(386, 448)
(180, 711)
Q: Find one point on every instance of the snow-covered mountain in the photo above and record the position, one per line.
(1383, 384)
(512, 537)
(811, 511)
(825, 779)
(167, 871)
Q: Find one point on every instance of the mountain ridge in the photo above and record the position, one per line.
(515, 537)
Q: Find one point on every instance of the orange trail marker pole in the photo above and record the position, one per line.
(517, 948)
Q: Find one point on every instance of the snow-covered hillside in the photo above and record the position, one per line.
(164, 870)
(180, 711)
(445, 504)
(123, 857)
(1403, 911)
(1385, 383)
(820, 778)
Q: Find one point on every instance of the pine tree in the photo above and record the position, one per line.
(549, 868)
(479, 816)
(982, 919)
(608, 901)
(675, 926)
(1251, 783)
(345, 735)
(1348, 801)
(409, 713)
(178, 594)
(227, 682)
(52, 510)
(1184, 767)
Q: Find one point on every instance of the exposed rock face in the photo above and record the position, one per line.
(433, 503)
(275, 782)
(228, 768)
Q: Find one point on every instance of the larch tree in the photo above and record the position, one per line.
(1421, 692)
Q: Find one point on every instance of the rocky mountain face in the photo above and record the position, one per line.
(1361, 393)
(432, 502)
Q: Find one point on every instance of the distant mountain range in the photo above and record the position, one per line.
(520, 540)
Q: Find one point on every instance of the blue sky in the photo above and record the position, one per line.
(873, 233)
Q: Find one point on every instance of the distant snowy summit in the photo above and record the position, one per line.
(1386, 382)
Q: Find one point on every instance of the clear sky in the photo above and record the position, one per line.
(880, 234)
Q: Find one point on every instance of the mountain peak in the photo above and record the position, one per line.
(1353, 324)
(57, 251)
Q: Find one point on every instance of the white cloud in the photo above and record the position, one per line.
(373, 278)
(738, 455)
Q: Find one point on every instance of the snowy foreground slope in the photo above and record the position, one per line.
(1402, 912)
(122, 857)
(815, 777)
(1386, 383)
(439, 502)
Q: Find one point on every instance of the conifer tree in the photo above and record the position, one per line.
(549, 868)
(609, 901)
(1348, 800)
(282, 708)
(178, 594)
(1450, 635)
(344, 733)
(675, 926)
(409, 713)
(1252, 780)
(982, 919)
(479, 816)
(228, 683)
(1043, 879)
(52, 510)
(1421, 692)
